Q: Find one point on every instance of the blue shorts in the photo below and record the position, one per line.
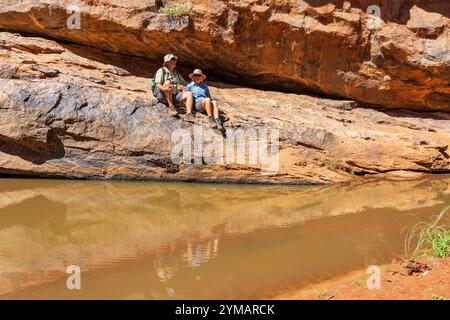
(198, 104)
(177, 98)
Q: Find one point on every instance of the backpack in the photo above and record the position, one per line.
(153, 82)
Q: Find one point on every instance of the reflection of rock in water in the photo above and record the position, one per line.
(105, 222)
(37, 212)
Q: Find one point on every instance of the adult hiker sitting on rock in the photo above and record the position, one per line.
(203, 100)
(169, 88)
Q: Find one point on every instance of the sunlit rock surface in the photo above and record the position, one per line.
(73, 111)
(330, 47)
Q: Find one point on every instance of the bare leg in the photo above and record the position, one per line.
(168, 94)
(188, 100)
(206, 104)
(216, 109)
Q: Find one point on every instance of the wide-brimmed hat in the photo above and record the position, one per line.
(197, 72)
(169, 57)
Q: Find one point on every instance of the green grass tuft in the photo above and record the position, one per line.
(332, 163)
(175, 11)
(439, 298)
(432, 238)
(360, 283)
(318, 293)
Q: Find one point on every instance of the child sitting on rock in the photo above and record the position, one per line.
(203, 100)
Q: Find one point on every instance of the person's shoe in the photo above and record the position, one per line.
(200, 115)
(189, 118)
(171, 110)
(211, 123)
(219, 124)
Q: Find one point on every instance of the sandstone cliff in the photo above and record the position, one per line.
(331, 47)
(78, 106)
(63, 114)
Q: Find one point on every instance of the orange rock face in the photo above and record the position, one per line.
(334, 47)
(73, 111)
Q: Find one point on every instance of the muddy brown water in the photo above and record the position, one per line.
(193, 241)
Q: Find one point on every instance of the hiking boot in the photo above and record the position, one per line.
(211, 123)
(172, 111)
(219, 124)
(189, 118)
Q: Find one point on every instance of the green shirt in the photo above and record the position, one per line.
(174, 77)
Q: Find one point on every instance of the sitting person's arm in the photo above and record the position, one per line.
(165, 87)
(188, 87)
(208, 93)
(160, 85)
(182, 85)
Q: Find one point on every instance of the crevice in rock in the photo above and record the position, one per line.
(168, 165)
(56, 104)
(133, 111)
(308, 146)
(444, 152)
(376, 170)
(79, 137)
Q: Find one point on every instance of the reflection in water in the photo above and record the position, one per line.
(198, 253)
(45, 213)
(194, 255)
(161, 240)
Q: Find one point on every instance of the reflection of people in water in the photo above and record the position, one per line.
(198, 253)
(195, 254)
(164, 271)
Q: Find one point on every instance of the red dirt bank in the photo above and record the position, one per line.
(395, 284)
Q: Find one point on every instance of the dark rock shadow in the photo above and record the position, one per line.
(138, 66)
(402, 113)
(34, 151)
